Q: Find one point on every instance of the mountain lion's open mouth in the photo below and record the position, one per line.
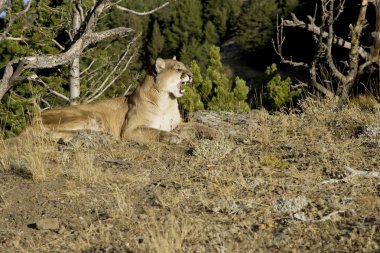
(185, 81)
(181, 86)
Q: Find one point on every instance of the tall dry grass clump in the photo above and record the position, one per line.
(35, 156)
(78, 163)
(170, 236)
(83, 165)
(28, 156)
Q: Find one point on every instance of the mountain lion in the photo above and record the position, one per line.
(149, 113)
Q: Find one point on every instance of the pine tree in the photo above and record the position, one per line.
(192, 100)
(185, 24)
(194, 50)
(278, 91)
(225, 98)
(211, 36)
(223, 14)
(215, 91)
(256, 24)
(157, 42)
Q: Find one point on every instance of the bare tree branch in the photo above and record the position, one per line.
(356, 32)
(75, 65)
(129, 87)
(113, 80)
(142, 13)
(50, 61)
(106, 84)
(56, 93)
(88, 68)
(317, 58)
(58, 44)
(280, 39)
(352, 173)
(79, 9)
(317, 30)
(48, 106)
(329, 16)
(302, 217)
(343, 74)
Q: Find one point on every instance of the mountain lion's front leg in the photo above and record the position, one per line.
(194, 130)
(146, 134)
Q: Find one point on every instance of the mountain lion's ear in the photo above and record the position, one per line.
(174, 57)
(160, 65)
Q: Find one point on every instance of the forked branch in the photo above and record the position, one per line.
(344, 74)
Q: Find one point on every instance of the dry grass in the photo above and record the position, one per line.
(31, 159)
(80, 165)
(285, 188)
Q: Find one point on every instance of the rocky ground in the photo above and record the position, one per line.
(301, 181)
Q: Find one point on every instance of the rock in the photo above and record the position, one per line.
(48, 224)
(87, 139)
(372, 131)
(234, 125)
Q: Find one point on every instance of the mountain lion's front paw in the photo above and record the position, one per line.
(170, 138)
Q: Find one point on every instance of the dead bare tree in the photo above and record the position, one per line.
(83, 34)
(78, 19)
(359, 59)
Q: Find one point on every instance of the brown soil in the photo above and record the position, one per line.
(297, 182)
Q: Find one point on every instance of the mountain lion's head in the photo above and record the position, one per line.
(172, 76)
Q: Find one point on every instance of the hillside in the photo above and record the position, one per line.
(306, 181)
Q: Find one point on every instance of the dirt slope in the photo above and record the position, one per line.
(300, 182)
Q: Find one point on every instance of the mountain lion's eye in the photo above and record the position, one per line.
(179, 70)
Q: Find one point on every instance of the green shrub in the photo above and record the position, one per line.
(215, 91)
(278, 91)
(15, 112)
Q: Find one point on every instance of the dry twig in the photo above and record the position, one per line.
(302, 217)
(352, 173)
(144, 13)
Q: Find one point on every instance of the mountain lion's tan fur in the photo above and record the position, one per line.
(150, 112)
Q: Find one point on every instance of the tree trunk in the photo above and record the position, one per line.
(75, 67)
(375, 50)
(349, 79)
(75, 82)
(343, 93)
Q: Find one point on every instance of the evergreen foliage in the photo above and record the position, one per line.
(216, 91)
(256, 27)
(223, 14)
(157, 43)
(278, 91)
(17, 110)
(211, 36)
(185, 24)
(38, 29)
